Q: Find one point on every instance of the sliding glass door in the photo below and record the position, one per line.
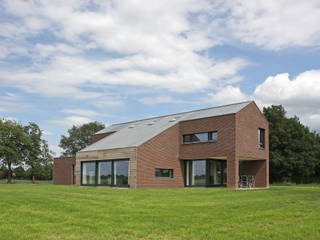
(205, 173)
(198, 176)
(88, 175)
(105, 173)
(121, 173)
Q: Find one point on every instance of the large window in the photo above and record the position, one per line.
(261, 138)
(105, 173)
(205, 173)
(121, 173)
(163, 173)
(198, 176)
(200, 137)
(88, 173)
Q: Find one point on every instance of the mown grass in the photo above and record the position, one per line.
(25, 181)
(45, 211)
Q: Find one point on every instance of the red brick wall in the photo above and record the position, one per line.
(224, 147)
(256, 168)
(161, 151)
(248, 121)
(224, 125)
(97, 137)
(62, 170)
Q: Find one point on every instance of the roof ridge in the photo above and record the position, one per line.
(197, 110)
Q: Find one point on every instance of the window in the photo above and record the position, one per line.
(163, 173)
(88, 173)
(261, 138)
(121, 173)
(198, 176)
(208, 173)
(105, 173)
(200, 137)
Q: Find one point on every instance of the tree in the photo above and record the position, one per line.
(3, 171)
(79, 137)
(22, 146)
(293, 148)
(33, 159)
(14, 145)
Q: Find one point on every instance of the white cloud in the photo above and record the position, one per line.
(227, 95)
(274, 24)
(159, 99)
(300, 96)
(56, 149)
(157, 43)
(71, 121)
(13, 106)
(301, 92)
(44, 132)
(82, 112)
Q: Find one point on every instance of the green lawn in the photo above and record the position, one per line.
(45, 211)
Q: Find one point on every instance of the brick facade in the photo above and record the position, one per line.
(160, 152)
(237, 143)
(248, 121)
(63, 170)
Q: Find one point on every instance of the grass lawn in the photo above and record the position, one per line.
(46, 211)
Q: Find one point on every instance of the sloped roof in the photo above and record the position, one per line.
(135, 133)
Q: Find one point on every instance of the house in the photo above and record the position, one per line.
(203, 148)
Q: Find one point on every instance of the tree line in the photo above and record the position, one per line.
(294, 148)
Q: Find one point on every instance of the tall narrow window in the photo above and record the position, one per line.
(104, 173)
(261, 138)
(88, 173)
(121, 173)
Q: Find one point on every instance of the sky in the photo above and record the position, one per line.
(65, 63)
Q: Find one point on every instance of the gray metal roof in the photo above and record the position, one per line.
(135, 133)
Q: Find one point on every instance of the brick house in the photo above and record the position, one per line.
(202, 148)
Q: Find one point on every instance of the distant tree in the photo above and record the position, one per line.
(23, 146)
(14, 145)
(294, 148)
(79, 137)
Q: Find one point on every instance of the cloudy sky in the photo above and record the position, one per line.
(65, 63)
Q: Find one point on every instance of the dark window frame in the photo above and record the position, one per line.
(112, 173)
(160, 177)
(207, 184)
(261, 138)
(81, 173)
(209, 137)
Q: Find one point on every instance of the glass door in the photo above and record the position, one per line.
(205, 172)
(121, 173)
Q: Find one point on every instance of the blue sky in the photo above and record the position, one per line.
(65, 63)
